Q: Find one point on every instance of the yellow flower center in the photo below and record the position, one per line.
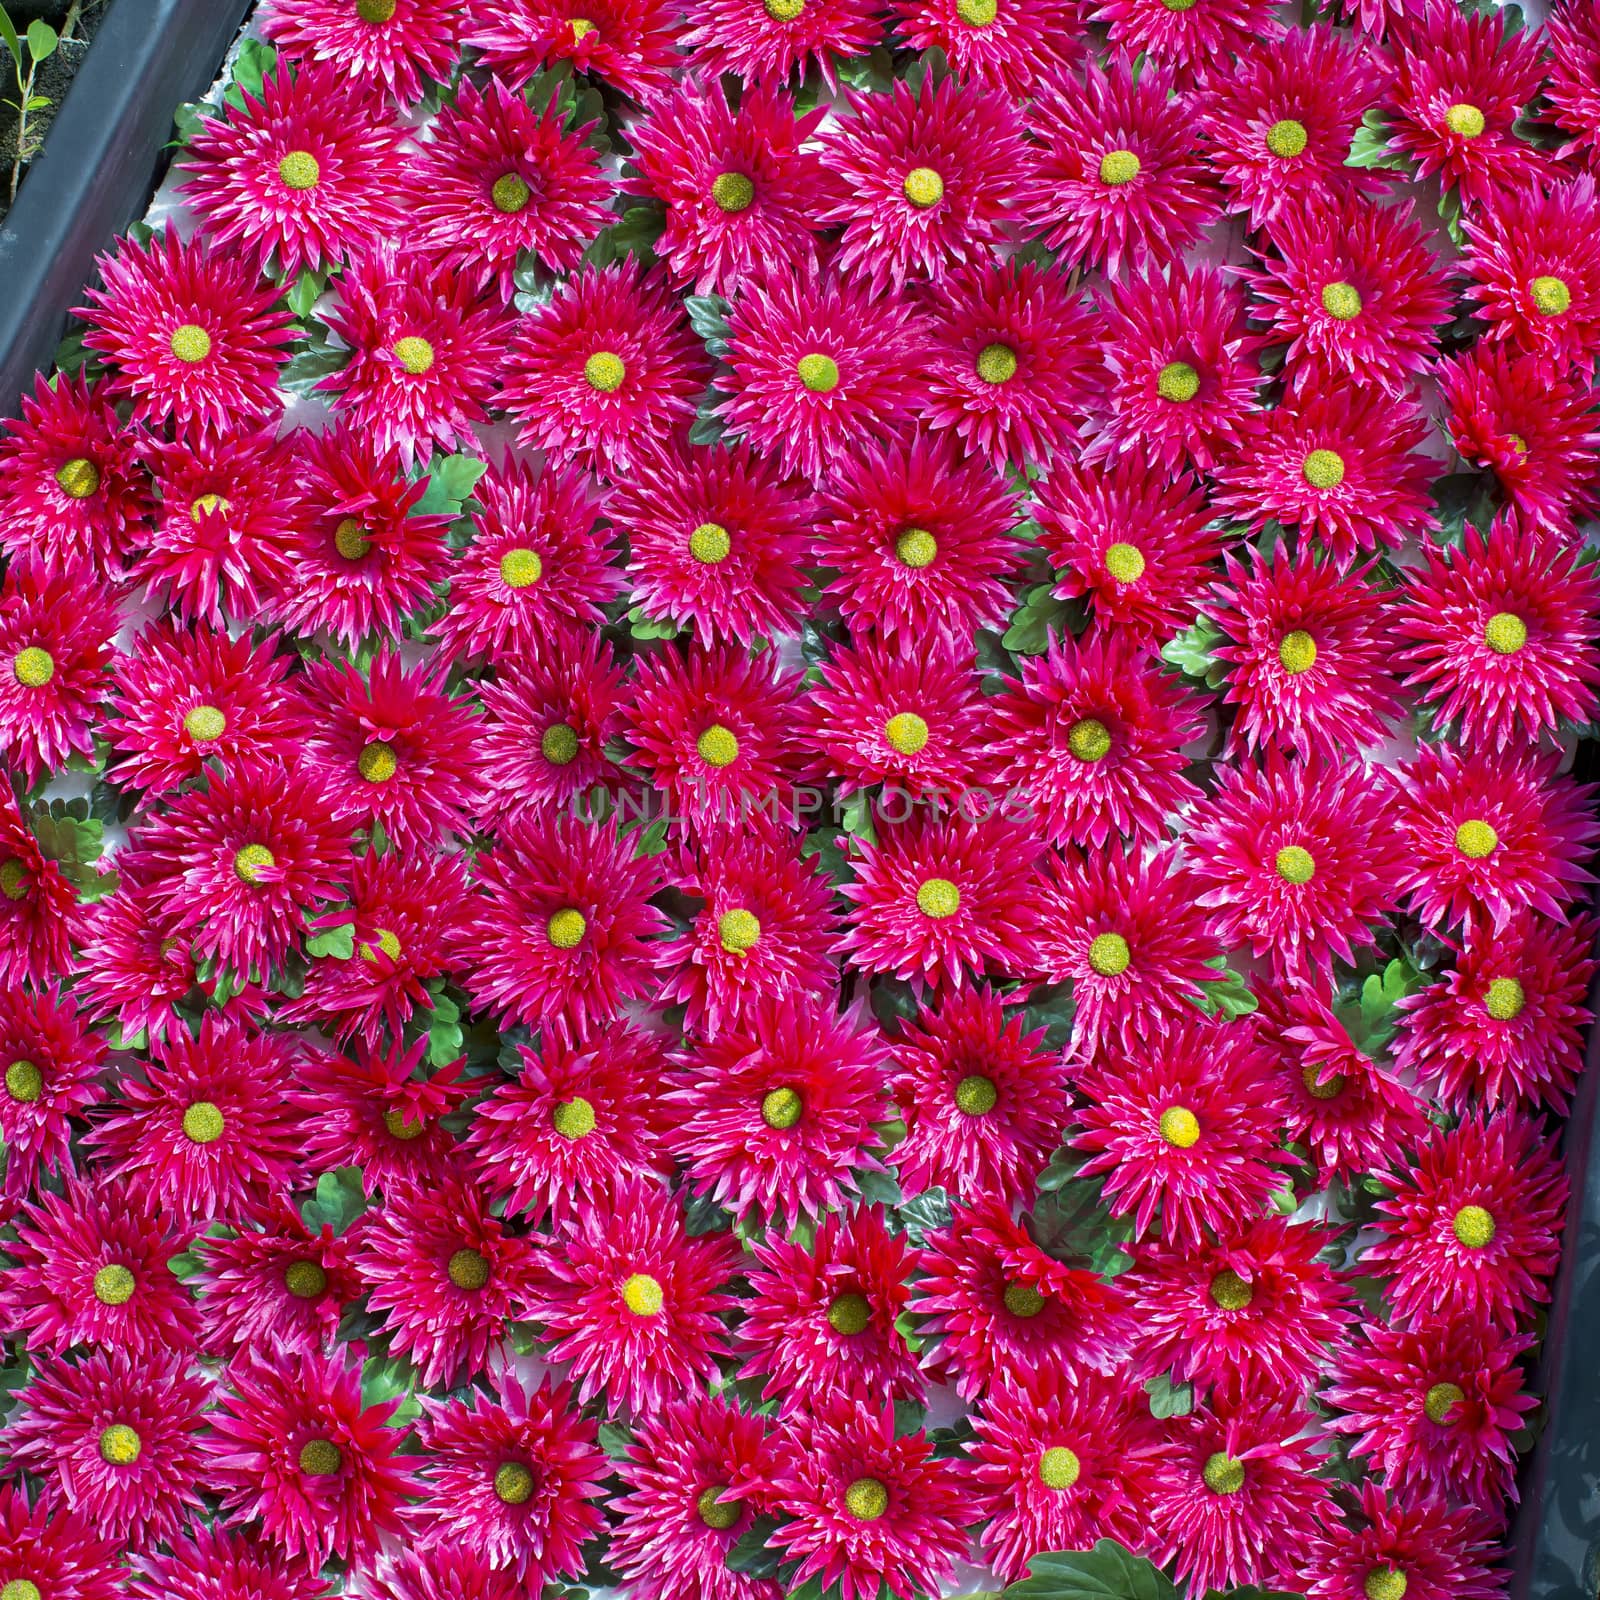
(977, 13)
(558, 744)
(573, 1119)
(976, 1095)
(1089, 739)
(513, 1484)
(938, 898)
(996, 363)
(1125, 562)
(718, 746)
(709, 544)
(510, 193)
(1475, 839)
(1229, 1292)
(1294, 864)
(1180, 1127)
(385, 940)
(866, 1500)
(732, 191)
(414, 354)
(923, 187)
(784, 10)
(1441, 1400)
(403, 1125)
(377, 762)
(24, 1082)
(1179, 5)
(209, 505)
(1464, 119)
(33, 668)
(113, 1285)
(1118, 167)
(604, 371)
(916, 548)
(1178, 382)
(641, 1294)
(468, 1269)
(738, 931)
(305, 1280)
(1323, 469)
(21, 1589)
(252, 862)
(320, 1458)
(120, 1445)
(375, 11)
(1551, 296)
(906, 732)
(566, 928)
(819, 373)
(781, 1108)
(202, 1123)
(1385, 1583)
(350, 539)
(1318, 1087)
(14, 880)
(78, 478)
(520, 568)
(716, 1512)
(1109, 954)
(299, 170)
(190, 343)
(582, 27)
(205, 724)
(1223, 1474)
(1286, 138)
(1505, 999)
(849, 1314)
(1297, 652)
(1505, 633)
(1473, 1227)
(1342, 301)
(1059, 1468)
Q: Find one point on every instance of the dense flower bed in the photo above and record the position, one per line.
(789, 807)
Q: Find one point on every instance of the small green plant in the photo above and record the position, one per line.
(40, 41)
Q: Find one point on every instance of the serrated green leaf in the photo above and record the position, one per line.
(1192, 651)
(1031, 622)
(340, 942)
(1108, 1572)
(1169, 1399)
(643, 627)
(1226, 995)
(305, 291)
(255, 61)
(341, 1197)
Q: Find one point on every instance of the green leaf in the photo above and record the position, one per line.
(458, 475)
(1250, 1591)
(1371, 1015)
(1226, 995)
(444, 1032)
(340, 942)
(877, 1187)
(1029, 633)
(634, 235)
(643, 627)
(1169, 1399)
(1370, 147)
(303, 372)
(42, 41)
(341, 1197)
(614, 1440)
(1191, 652)
(750, 1553)
(8, 32)
(708, 316)
(925, 1213)
(305, 291)
(856, 817)
(652, 840)
(1108, 1572)
(250, 67)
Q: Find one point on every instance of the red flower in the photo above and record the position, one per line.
(628, 43)
(52, 1075)
(765, 42)
(1012, 49)
(1190, 37)
(397, 43)
(56, 1551)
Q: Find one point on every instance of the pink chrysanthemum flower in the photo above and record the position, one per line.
(1507, 1022)
(1249, 1316)
(1124, 930)
(213, 1564)
(515, 1478)
(1435, 1407)
(390, 747)
(402, 910)
(497, 178)
(1183, 378)
(1572, 85)
(1298, 862)
(243, 859)
(574, 1122)
(1279, 118)
(189, 695)
(212, 1133)
(1190, 37)
(1439, 1553)
(306, 176)
(1506, 632)
(91, 1270)
(1534, 261)
(715, 728)
(911, 716)
(716, 540)
(1475, 1224)
(58, 1552)
(537, 565)
(1014, 361)
(1532, 427)
(364, 555)
(1356, 290)
(917, 535)
(1139, 544)
(764, 43)
(1013, 49)
(820, 368)
(937, 900)
(739, 186)
(984, 1103)
(632, 1301)
(56, 631)
(222, 539)
(423, 354)
(628, 43)
(605, 370)
(677, 1522)
(397, 43)
(928, 178)
(71, 490)
(1062, 1459)
(39, 916)
(293, 1448)
(382, 1112)
(52, 1075)
(1092, 740)
(447, 1572)
(1340, 463)
(562, 931)
(1237, 1496)
(116, 1437)
(866, 1511)
(999, 1305)
(130, 969)
(1461, 81)
(547, 723)
(1186, 1130)
(1309, 647)
(765, 926)
(1486, 836)
(280, 1287)
(822, 1320)
(443, 1277)
(190, 335)
(777, 1116)
(1119, 181)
